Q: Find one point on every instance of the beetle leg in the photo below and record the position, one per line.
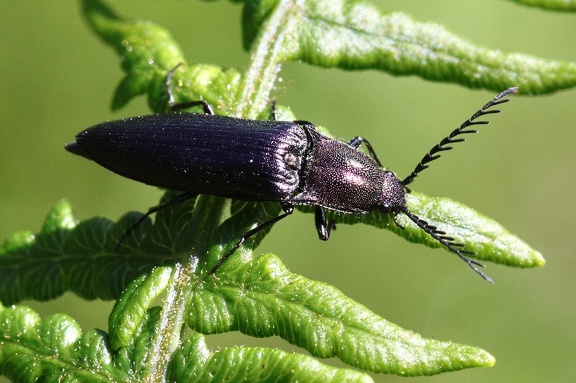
(288, 209)
(323, 226)
(273, 111)
(357, 141)
(179, 198)
(184, 105)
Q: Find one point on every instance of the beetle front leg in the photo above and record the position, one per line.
(323, 226)
(357, 141)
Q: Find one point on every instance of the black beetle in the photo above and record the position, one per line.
(288, 162)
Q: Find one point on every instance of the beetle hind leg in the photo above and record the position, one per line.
(288, 209)
(183, 105)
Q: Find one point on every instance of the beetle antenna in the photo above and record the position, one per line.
(448, 242)
(451, 138)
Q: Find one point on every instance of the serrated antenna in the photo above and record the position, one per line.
(452, 137)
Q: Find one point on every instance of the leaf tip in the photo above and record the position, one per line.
(538, 259)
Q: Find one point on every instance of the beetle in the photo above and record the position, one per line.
(289, 162)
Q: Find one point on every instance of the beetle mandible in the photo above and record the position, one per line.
(288, 162)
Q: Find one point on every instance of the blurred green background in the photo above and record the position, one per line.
(57, 78)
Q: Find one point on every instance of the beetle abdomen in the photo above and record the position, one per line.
(199, 153)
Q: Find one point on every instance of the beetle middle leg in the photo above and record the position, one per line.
(288, 209)
(154, 209)
(323, 226)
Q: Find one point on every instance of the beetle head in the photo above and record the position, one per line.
(393, 197)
